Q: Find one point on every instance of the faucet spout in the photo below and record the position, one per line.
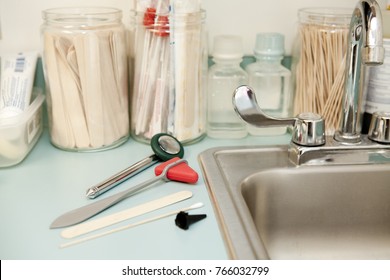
(365, 47)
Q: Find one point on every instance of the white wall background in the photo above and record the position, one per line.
(20, 20)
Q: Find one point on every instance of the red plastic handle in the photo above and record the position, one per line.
(181, 172)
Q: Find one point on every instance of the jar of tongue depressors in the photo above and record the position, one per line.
(85, 67)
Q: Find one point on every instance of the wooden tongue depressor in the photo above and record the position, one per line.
(104, 233)
(125, 214)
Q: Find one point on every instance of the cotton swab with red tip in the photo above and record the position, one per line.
(149, 17)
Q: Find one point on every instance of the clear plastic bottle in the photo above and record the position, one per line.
(270, 80)
(223, 78)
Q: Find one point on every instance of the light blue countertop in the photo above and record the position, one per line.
(50, 182)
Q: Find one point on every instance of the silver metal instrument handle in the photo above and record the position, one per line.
(120, 177)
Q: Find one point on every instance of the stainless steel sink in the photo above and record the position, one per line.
(322, 196)
(269, 208)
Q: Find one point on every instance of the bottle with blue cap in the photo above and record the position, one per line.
(270, 80)
(223, 78)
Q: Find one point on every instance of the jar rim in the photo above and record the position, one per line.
(325, 15)
(201, 12)
(177, 19)
(85, 12)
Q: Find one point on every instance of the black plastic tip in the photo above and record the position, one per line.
(183, 220)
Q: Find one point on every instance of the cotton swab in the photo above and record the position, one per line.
(81, 240)
(142, 95)
(331, 110)
(160, 113)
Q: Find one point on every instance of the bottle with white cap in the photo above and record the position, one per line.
(223, 78)
(270, 80)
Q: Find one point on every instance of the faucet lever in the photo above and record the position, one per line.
(379, 130)
(308, 128)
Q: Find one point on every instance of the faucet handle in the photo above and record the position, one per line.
(379, 130)
(308, 128)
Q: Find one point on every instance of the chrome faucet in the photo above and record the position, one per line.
(365, 47)
(309, 143)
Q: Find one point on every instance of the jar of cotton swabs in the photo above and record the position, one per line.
(319, 62)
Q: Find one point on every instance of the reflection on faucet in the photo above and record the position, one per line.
(365, 47)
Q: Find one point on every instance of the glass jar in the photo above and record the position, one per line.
(170, 70)
(85, 68)
(320, 64)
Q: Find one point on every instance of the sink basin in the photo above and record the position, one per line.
(269, 208)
